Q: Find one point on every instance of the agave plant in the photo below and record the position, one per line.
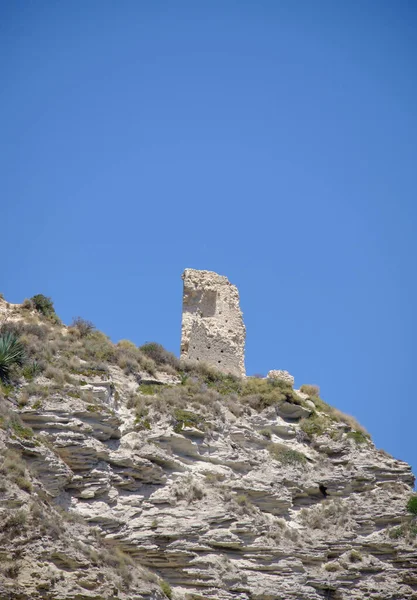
(11, 353)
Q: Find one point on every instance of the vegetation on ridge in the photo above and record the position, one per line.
(65, 356)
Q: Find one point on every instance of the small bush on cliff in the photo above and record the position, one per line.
(355, 556)
(210, 377)
(310, 390)
(166, 589)
(43, 305)
(358, 437)
(186, 418)
(286, 455)
(131, 359)
(314, 425)
(161, 356)
(412, 505)
(260, 393)
(14, 468)
(32, 370)
(82, 327)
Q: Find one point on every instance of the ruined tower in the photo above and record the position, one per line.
(212, 325)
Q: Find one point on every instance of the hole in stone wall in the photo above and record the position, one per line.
(198, 358)
(219, 361)
(208, 347)
(221, 351)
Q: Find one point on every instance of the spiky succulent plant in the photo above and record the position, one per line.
(12, 353)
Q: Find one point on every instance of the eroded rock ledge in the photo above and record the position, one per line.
(204, 485)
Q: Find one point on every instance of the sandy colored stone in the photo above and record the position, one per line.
(282, 375)
(213, 331)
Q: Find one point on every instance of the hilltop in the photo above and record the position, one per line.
(127, 473)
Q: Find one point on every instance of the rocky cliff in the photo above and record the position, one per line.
(126, 474)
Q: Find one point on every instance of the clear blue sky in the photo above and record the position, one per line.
(273, 142)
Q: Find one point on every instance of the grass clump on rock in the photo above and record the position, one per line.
(358, 437)
(186, 418)
(310, 389)
(261, 393)
(314, 425)
(166, 589)
(286, 455)
(412, 505)
(159, 355)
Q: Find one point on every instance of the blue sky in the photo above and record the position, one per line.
(272, 142)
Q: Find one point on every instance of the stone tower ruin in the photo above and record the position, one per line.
(212, 325)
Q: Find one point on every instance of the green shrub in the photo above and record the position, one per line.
(412, 504)
(12, 464)
(149, 389)
(44, 306)
(286, 455)
(243, 500)
(11, 354)
(32, 370)
(16, 520)
(224, 384)
(166, 589)
(314, 425)
(310, 390)
(24, 484)
(261, 393)
(186, 418)
(407, 530)
(355, 556)
(97, 347)
(20, 430)
(142, 423)
(396, 532)
(358, 437)
(161, 356)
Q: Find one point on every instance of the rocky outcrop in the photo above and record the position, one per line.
(140, 488)
(281, 375)
(212, 325)
(231, 504)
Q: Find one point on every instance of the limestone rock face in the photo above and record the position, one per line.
(283, 375)
(148, 488)
(212, 325)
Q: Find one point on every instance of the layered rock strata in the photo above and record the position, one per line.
(181, 490)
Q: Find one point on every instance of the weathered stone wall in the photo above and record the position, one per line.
(212, 325)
